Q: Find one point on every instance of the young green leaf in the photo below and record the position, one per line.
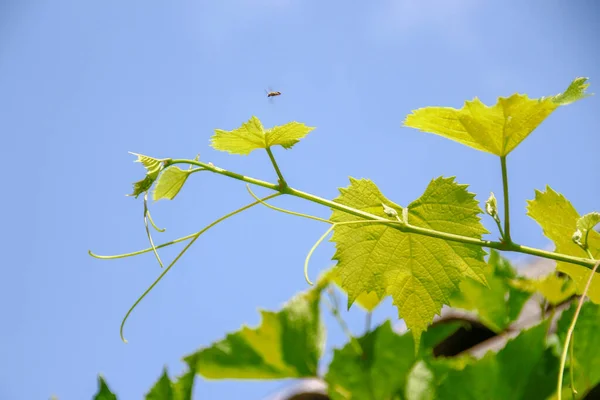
(170, 183)
(575, 91)
(379, 373)
(558, 219)
(498, 129)
(252, 136)
(153, 167)
(524, 370)
(287, 344)
(586, 224)
(419, 272)
(586, 343)
(491, 207)
(104, 392)
(497, 305)
(142, 186)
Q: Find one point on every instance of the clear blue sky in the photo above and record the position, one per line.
(82, 83)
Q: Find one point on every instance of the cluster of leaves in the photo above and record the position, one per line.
(426, 255)
(386, 364)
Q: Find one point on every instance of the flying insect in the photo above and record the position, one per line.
(272, 93)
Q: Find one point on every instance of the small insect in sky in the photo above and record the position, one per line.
(271, 93)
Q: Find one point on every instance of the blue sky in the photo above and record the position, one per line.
(83, 83)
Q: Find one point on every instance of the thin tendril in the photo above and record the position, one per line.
(194, 237)
(146, 213)
(571, 369)
(563, 358)
(287, 211)
(309, 255)
(136, 253)
(312, 251)
(153, 224)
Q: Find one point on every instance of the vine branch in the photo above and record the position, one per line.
(503, 245)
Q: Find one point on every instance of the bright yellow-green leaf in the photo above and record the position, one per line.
(287, 344)
(251, 136)
(170, 183)
(554, 289)
(497, 305)
(494, 129)
(419, 272)
(558, 219)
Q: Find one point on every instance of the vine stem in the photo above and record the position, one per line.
(506, 234)
(282, 182)
(504, 246)
(563, 357)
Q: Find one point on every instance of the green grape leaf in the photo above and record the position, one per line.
(554, 288)
(104, 392)
(586, 343)
(497, 305)
(586, 224)
(170, 183)
(524, 369)
(378, 373)
(558, 219)
(419, 272)
(498, 129)
(381, 370)
(153, 167)
(428, 374)
(287, 344)
(180, 389)
(252, 136)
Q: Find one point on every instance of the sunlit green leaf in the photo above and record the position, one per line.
(419, 272)
(586, 343)
(287, 344)
(525, 369)
(497, 129)
(104, 392)
(558, 219)
(554, 289)
(378, 373)
(170, 183)
(497, 305)
(380, 370)
(251, 136)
